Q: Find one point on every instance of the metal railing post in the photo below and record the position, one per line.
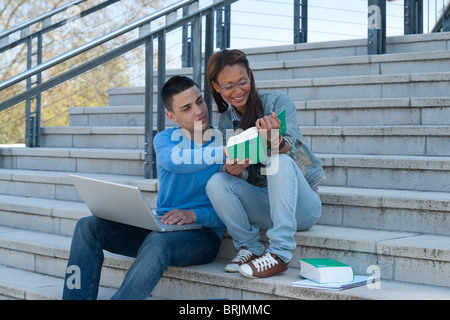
(186, 42)
(161, 120)
(148, 146)
(33, 103)
(413, 17)
(300, 21)
(223, 21)
(376, 26)
(209, 50)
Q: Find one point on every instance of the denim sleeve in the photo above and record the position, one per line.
(277, 102)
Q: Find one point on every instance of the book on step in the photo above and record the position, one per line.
(357, 282)
(249, 143)
(323, 270)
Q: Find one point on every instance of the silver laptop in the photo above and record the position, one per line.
(121, 203)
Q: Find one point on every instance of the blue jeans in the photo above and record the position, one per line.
(154, 252)
(285, 206)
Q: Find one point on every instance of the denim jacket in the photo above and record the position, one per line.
(308, 163)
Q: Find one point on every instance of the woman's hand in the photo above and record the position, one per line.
(269, 128)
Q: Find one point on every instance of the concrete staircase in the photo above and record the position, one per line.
(380, 124)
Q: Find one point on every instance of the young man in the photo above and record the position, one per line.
(181, 200)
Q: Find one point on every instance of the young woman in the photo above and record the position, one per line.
(245, 198)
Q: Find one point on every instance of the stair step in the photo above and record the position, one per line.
(87, 160)
(398, 63)
(385, 209)
(343, 48)
(380, 140)
(346, 207)
(26, 201)
(394, 139)
(362, 87)
(410, 85)
(16, 284)
(345, 112)
(400, 256)
(420, 173)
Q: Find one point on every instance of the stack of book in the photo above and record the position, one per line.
(322, 273)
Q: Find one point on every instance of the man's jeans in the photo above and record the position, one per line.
(285, 206)
(154, 252)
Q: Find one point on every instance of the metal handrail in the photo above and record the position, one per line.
(38, 19)
(193, 14)
(92, 44)
(32, 117)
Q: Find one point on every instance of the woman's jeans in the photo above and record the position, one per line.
(154, 252)
(285, 206)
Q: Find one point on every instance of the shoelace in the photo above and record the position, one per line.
(265, 262)
(242, 256)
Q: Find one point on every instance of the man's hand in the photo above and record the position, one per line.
(235, 167)
(179, 217)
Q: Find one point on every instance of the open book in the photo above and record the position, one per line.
(249, 144)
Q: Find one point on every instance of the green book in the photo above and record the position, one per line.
(324, 270)
(282, 117)
(249, 144)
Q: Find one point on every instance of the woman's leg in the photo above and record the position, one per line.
(294, 206)
(243, 208)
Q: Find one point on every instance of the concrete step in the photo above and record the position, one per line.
(417, 85)
(399, 63)
(375, 112)
(86, 160)
(399, 256)
(357, 47)
(210, 282)
(57, 184)
(345, 112)
(48, 202)
(385, 209)
(17, 284)
(378, 209)
(399, 139)
(418, 140)
(418, 173)
(410, 85)
(293, 66)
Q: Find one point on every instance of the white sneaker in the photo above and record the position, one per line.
(242, 257)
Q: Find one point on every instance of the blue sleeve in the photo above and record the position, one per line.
(208, 217)
(175, 154)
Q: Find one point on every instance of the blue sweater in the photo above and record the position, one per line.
(184, 169)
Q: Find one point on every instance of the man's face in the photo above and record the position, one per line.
(189, 108)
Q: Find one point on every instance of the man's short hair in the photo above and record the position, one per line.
(173, 86)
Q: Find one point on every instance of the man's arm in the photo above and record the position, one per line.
(178, 157)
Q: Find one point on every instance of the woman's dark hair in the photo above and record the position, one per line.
(216, 63)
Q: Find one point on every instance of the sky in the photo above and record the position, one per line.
(269, 22)
(260, 23)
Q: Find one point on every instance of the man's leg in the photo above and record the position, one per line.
(160, 250)
(91, 236)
